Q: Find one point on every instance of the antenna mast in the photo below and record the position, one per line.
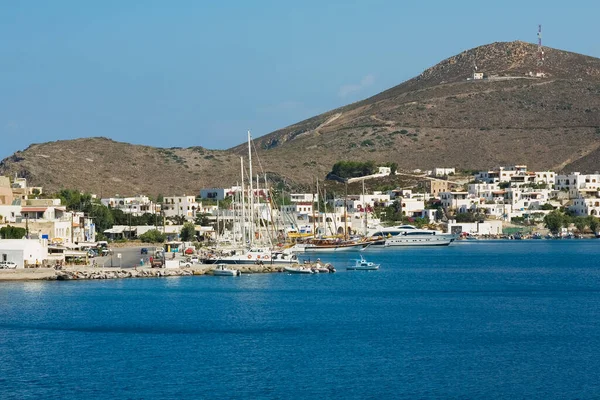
(540, 51)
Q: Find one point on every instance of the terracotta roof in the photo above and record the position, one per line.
(34, 209)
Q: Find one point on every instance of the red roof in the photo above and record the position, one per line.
(34, 209)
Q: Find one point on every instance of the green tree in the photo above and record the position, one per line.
(554, 221)
(12, 232)
(465, 217)
(580, 223)
(153, 236)
(202, 219)
(547, 206)
(102, 217)
(593, 223)
(188, 232)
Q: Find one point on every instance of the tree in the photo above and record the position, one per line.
(153, 236)
(177, 219)
(465, 217)
(188, 232)
(547, 206)
(12, 232)
(580, 223)
(554, 221)
(102, 217)
(593, 223)
(202, 219)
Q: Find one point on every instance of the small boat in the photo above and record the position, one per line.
(222, 270)
(298, 270)
(319, 268)
(363, 265)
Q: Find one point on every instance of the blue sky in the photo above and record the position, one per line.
(200, 73)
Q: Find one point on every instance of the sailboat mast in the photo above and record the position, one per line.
(364, 207)
(345, 212)
(251, 232)
(243, 222)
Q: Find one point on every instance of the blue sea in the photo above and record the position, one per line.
(476, 320)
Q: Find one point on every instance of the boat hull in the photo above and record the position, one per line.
(298, 270)
(226, 273)
(331, 249)
(430, 240)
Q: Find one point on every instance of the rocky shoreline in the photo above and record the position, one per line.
(87, 273)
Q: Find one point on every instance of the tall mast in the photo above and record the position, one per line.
(251, 233)
(318, 206)
(364, 207)
(346, 211)
(243, 222)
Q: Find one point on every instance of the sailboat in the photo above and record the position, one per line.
(253, 253)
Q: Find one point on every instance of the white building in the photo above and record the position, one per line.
(476, 228)
(443, 171)
(137, 206)
(304, 198)
(587, 205)
(23, 251)
(460, 201)
(576, 182)
(180, 205)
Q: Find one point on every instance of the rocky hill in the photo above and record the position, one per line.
(439, 118)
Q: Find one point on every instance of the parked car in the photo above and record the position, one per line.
(7, 265)
(144, 250)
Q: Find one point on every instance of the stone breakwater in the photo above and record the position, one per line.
(84, 273)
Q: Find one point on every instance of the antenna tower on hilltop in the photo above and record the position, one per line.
(540, 51)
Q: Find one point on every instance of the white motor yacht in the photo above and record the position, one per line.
(409, 235)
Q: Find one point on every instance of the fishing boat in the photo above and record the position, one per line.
(222, 270)
(363, 265)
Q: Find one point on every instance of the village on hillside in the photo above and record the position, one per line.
(505, 202)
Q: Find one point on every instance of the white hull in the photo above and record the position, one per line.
(363, 265)
(226, 273)
(222, 270)
(298, 270)
(417, 240)
(328, 249)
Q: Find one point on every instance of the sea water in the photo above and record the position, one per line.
(487, 319)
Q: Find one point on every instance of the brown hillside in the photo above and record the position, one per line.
(436, 119)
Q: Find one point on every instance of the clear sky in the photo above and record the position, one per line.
(200, 73)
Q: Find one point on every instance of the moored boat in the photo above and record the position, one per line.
(222, 270)
(409, 235)
(298, 270)
(363, 265)
(251, 256)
